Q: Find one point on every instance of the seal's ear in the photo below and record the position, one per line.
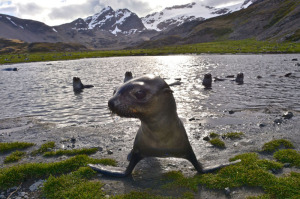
(167, 90)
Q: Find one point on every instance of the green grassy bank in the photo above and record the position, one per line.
(233, 47)
(71, 178)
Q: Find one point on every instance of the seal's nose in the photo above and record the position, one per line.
(111, 104)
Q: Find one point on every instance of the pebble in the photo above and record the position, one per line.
(288, 115)
(206, 138)
(191, 119)
(231, 112)
(36, 185)
(227, 191)
(109, 152)
(262, 125)
(278, 121)
(286, 165)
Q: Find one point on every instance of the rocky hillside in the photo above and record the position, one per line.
(264, 20)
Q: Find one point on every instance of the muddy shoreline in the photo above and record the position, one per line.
(115, 140)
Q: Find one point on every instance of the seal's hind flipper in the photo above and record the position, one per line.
(214, 168)
(109, 171)
(118, 171)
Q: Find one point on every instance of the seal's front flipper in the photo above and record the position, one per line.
(214, 168)
(109, 170)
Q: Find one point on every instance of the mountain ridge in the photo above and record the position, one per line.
(118, 29)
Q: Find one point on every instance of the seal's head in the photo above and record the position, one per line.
(77, 85)
(128, 76)
(240, 78)
(144, 97)
(207, 81)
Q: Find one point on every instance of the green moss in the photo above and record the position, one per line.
(288, 156)
(233, 135)
(217, 143)
(213, 135)
(14, 175)
(14, 157)
(275, 145)
(44, 148)
(251, 171)
(71, 152)
(139, 195)
(74, 185)
(6, 147)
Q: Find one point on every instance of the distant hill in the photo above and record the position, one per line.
(276, 20)
(17, 46)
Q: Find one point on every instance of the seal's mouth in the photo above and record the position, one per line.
(121, 110)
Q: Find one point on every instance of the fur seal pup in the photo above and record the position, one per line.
(10, 69)
(207, 80)
(128, 76)
(240, 78)
(78, 86)
(161, 134)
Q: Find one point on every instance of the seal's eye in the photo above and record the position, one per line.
(140, 94)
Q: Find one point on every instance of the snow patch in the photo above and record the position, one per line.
(11, 21)
(116, 31)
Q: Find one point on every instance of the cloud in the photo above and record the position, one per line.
(90, 7)
(74, 11)
(30, 9)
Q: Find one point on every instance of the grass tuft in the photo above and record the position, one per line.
(275, 145)
(251, 171)
(14, 175)
(14, 157)
(233, 135)
(217, 143)
(71, 152)
(10, 146)
(44, 148)
(288, 156)
(213, 135)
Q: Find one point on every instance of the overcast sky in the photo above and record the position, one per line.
(56, 12)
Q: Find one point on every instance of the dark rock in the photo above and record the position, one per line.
(110, 152)
(100, 149)
(231, 112)
(73, 140)
(259, 77)
(227, 191)
(191, 119)
(262, 125)
(288, 115)
(286, 165)
(275, 171)
(288, 74)
(298, 64)
(230, 76)
(206, 138)
(295, 59)
(278, 121)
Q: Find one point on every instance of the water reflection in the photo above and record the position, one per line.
(46, 90)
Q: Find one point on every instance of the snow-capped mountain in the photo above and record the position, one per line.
(174, 16)
(120, 21)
